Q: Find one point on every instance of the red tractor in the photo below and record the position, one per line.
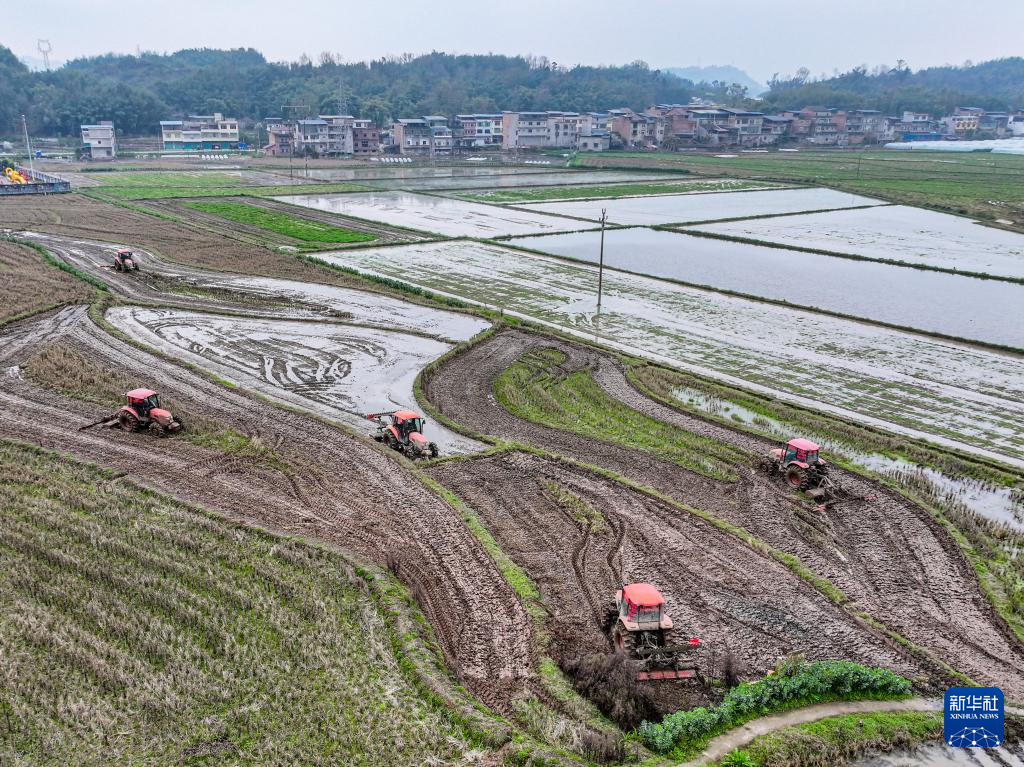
(124, 261)
(802, 466)
(143, 411)
(402, 430)
(642, 630)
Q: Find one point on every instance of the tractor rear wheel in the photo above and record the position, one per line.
(624, 641)
(117, 266)
(127, 421)
(795, 477)
(393, 443)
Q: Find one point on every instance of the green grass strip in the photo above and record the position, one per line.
(533, 389)
(282, 223)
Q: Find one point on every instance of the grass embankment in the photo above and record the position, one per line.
(282, 223)
(138, 630)
(155, 185)
(30, 283)
(541, 194)
(991, 548)
(984, 185)
(535, 389)
(830, 742)
(795, 683)
(60, 367)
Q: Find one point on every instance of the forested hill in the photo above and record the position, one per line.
(138, 91)
(994, 85)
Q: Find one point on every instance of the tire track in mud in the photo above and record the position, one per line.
(341, 490)
(887, 555)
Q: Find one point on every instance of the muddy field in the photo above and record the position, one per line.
(926, 591)
(336, 488)
(304, 337)
(338, 370)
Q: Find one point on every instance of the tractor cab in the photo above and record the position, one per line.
(142, 401)
(800, 451)
(408, 423)
(640, 608)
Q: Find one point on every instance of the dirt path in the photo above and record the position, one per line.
(339, 489)
(887, 555)
(744, 734)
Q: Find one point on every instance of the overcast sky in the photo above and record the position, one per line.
(760, 37)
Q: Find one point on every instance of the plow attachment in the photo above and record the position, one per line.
(106, 419)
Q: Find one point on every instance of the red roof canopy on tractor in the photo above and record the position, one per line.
(642, 594)
(404, 415)
(140, 393)
(802, 444)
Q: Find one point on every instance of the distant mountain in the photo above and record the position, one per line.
(727, 74)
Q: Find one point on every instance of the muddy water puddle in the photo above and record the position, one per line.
(894, 232)
(999, 504)
(674, 209)
(339, 371)
(951, 394)
(953, 305)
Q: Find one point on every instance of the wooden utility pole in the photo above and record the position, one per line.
(600, 262)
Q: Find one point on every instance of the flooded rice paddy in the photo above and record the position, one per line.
(440, 215)
(953, 305)
(950, 393)
(684, 208)
(894, 232)
(340, 371)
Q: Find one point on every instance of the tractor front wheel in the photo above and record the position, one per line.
(769, 467)
(156, 430)
(795, 477)
(178, 424)
(433, 450)
(127, 422)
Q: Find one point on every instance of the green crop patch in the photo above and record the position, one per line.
(137, 630)
(534, 388)
(281, 223)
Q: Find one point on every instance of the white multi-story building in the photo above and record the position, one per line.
(339, 134)
(101, 140)
(200, 133)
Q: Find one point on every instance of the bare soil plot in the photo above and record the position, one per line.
(893, 232)
(887, 555)
(941, 391)
(334, 487)
(341, 371)
(28, 283)
(675, 209)
(452, 218)
(953, 305)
